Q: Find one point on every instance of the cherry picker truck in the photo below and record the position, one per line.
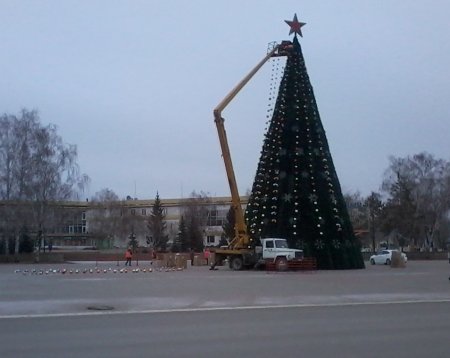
(243, 251)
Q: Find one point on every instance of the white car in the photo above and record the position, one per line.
(384, 257)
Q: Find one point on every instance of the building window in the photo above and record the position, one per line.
(216, 217)
(210, 239)
(144, 212)
(133, 212)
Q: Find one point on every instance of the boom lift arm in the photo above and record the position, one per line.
(241, 240)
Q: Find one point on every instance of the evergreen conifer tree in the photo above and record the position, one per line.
(132, 241)
(229, 224)
(296, 193)
(181, 241)
(157, 225)
(26, 243)
(194, 234)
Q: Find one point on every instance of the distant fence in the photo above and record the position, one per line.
(115, 255)
(33, 258)
(103, 256)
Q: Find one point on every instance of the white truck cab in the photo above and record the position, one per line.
(277, 249)
(273, 250)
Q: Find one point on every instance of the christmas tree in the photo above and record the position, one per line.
(296, 193)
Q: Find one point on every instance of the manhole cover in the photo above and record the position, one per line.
(100, 308)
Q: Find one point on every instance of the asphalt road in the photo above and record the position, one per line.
(376, 330)
(374, 312)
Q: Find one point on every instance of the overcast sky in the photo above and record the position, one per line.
(133, 84)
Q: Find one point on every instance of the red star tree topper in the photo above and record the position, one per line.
(295, 25)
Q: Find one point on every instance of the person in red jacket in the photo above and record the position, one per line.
(128, 257)
(206, 254)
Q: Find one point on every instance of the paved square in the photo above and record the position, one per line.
(45, 290)
(202, 313)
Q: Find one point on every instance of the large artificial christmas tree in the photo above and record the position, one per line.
(296, 193)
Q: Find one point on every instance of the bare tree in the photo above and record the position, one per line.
(374, 206)
(418, 187)
(113, 221)
(195, 211)
(104, 215)
(36, 170)
(356, 210)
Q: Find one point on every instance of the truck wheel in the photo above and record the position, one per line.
(281, 264)
(236, 263)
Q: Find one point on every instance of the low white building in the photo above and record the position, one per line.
(109, 225)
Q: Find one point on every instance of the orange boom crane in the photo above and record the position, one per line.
(240, 250)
